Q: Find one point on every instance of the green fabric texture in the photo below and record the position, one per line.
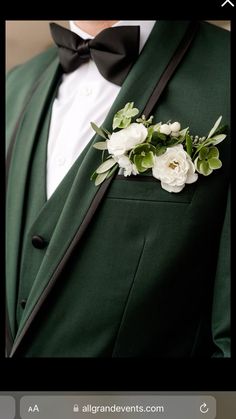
(150, 276)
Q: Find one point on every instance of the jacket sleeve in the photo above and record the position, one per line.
(221, 300)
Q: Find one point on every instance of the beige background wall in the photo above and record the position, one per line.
(26, 38)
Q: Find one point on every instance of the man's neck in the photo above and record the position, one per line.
(93, 27)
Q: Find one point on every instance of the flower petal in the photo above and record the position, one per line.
(170, 188)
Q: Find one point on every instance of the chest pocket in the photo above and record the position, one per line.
(147, 188)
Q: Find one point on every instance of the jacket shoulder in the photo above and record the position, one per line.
(215, 37)
(28, 73)
(19, 83)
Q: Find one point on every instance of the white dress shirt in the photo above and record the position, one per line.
(83, 96)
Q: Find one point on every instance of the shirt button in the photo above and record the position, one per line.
(23, 303)
(61, 160)
(38, 242)
(86, 91)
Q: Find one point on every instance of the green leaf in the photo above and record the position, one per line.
(162, 136)
(128, 106)
(218, 138)
(171, 141)
(129, 110)
(132, 112)
(106, 132)
(204, 168)
(150, 133)
(148, 160)
(121, 122)
(155, 138)
(112, 170)
(98, 130)
(106, 166)
(143, 148)
(100, 178)
(183, 132)
(94, 175)
(196, 163)
(100, 145)
(138, 163)
(122, 118)
(125, 123)
(160, 150)
(116, 121)
(214, 127)
(222, 129)
(189, 145)
(203, 153)
(215, 163)
(213, 152)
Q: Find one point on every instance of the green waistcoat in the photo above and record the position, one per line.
(40, 216)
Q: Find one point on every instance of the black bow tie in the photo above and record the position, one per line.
(114, 50)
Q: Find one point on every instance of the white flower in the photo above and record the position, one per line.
(175, 127)
(125, 163)
(174, 168)
(174, 134)
(170, 129)
(124, 140)
(165, 129)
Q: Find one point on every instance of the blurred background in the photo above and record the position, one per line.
(26, 38)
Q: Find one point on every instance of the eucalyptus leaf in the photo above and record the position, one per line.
(100, 145)
(183, 132)
(100, 178)
(221, 130)
(214, 127)
(98, 130)
(218, 138)
(112, 170)
(106, 166)
(106, 132)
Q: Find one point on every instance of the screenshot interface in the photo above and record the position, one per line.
(65, 405)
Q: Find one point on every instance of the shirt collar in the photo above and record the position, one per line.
(146, 27)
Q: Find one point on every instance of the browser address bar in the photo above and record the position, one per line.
(118, 406)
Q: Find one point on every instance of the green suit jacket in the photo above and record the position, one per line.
(133, 271)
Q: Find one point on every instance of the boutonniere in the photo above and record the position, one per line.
(173, 155)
